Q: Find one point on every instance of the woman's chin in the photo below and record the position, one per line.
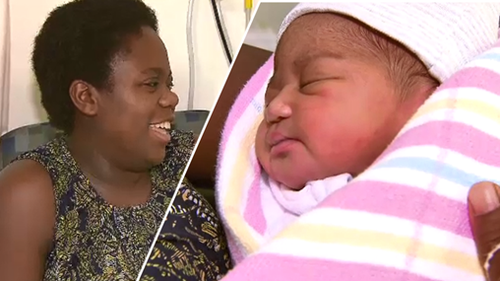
(157, 157)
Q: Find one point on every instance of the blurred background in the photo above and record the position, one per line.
(266, 24)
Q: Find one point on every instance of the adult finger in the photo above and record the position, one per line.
(484, 210)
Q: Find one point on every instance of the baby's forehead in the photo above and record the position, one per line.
(352, 43)
(344, 37)
(326, 32)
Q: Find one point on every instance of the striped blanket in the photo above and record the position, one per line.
(405, 218)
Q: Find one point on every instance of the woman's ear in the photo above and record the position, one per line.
(84, 97)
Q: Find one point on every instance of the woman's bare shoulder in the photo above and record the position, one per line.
(27, 218)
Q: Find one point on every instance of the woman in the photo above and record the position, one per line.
(87, 205)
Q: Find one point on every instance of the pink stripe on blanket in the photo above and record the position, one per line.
(474, 77)
(270, 267)
(253, 86)
(254, 214)
(403, 202)
(476, 146)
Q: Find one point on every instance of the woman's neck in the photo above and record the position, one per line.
(113, 182)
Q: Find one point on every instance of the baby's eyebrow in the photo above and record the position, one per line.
(303, 60)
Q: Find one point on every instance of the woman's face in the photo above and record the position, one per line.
(141, 100)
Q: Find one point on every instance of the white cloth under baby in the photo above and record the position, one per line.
(282, 206)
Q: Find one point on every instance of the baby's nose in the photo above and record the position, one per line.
(277, 110)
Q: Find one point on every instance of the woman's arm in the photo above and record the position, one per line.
(192, 245)
(27, 218)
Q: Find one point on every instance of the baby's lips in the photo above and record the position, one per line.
(275, 137)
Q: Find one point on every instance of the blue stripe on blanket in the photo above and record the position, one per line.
(437, 168)
(494, 56)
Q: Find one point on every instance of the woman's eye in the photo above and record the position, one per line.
(152, 84)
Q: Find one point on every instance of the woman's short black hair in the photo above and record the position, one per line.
(79, 41)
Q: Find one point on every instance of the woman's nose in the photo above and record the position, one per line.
(169, 99)
(277, 110)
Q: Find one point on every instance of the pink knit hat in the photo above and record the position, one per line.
(445, 36)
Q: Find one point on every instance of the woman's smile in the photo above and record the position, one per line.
(161, 131)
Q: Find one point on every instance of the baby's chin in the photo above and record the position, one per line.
(283, 176)
(282, 173)
(291, 186)
(292, 181)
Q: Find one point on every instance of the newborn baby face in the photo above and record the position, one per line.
(331, 106)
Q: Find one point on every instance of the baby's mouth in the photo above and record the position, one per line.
(277, 138)
(277, 142)
(282, 146)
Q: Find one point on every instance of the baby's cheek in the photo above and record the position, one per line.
(260, 146)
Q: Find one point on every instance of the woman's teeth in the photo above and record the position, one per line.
(164, 125)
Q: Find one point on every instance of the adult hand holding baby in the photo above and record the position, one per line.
(484, 209)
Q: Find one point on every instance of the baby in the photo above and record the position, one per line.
(347, 77)
(340, 93)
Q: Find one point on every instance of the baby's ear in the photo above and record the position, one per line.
(414, 98)
(426, 87)
(419, 93)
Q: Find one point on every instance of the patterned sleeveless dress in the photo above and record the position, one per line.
(191, 245)
(97, 241)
